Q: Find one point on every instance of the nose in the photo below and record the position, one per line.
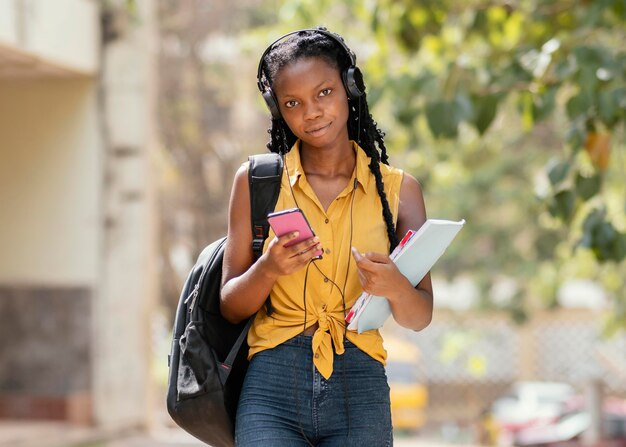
(313, 110)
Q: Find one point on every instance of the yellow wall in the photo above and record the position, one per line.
(49, 182)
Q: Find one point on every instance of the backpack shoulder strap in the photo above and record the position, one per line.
(264, 176)
(265, 172)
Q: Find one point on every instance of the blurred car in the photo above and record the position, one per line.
(408, 391)
(529, 404)
(569, 429)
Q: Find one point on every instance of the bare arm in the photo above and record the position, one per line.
(246, 284)
(411, 307)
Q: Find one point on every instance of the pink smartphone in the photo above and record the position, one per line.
(293, 219)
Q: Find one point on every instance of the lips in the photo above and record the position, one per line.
(318, 131)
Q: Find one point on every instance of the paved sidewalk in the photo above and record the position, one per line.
(19, 433)
(49, 434)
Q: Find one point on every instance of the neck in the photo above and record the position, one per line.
(338, 160)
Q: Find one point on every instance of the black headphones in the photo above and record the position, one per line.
(351, 77)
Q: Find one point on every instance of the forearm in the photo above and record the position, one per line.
(244, 295)
(411, 307)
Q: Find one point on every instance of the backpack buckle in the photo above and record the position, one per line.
(257, 246)
(258, 232)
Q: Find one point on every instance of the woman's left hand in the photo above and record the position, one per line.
(378, 274)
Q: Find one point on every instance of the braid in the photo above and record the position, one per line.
(281, 137)
(361, 126)
(368, 138)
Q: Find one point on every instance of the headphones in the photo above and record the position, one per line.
(351, 76)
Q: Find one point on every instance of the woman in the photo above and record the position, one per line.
(310, 381)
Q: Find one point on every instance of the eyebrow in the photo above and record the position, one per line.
(326, 81)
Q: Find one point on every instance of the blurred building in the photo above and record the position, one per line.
(77, 245)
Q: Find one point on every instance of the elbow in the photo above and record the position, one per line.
(424, 321)
(228, 310)
(426, 315)
(421, 320)
(416, 322)
(229, 313)
(419, 323)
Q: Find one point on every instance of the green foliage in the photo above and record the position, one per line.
(512, 115)
(563, 205)
(602, 237)
(545, 54)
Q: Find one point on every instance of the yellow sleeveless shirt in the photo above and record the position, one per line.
(323, 299)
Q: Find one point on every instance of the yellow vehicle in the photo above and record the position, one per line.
(409, 395)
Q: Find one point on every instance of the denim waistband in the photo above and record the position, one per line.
(307, 341)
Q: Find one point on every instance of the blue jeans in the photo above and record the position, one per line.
(286, 402)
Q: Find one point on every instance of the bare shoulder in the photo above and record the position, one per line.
(411, 187)
(238, 251)
(239, 207)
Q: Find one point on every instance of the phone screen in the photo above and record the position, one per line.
(293, 219)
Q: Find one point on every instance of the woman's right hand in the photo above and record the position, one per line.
(280, 260)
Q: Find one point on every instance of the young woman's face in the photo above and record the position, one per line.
(313, 101)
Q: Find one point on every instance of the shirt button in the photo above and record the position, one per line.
(325, 279)
(323, 306)
(328, 251)
(326, 221)
(317, 356)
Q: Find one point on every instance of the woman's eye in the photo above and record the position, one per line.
(326, 92)
(290, 104)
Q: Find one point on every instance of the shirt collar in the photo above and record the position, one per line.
(294, 165)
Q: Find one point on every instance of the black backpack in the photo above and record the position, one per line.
(208, 357)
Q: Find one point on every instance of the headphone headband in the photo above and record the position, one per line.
(321, 30)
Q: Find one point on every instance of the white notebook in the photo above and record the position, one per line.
(415, 255)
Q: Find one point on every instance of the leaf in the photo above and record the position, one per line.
(619, 248)
(599, 235)
(479, 24)
(406, 115)
(608, 108)
(593, 219)
(605, 236)
(577, 105)
(575, 137)
(557, 170)
(598, 147)
(619, 94)
(543, 104)
(587, 187)
(463, 108)
(442, 119)
(485, 109)
(591, 57)
(375, 20)
(563, 205)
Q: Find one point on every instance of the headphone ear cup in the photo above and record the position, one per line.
(271, 102)
(353, 82)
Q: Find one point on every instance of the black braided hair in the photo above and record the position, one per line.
(310, 44)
